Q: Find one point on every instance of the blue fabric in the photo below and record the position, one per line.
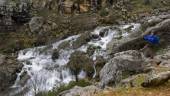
(153, 39)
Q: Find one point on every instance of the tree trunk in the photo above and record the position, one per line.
(76, 76)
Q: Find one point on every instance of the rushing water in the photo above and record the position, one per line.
(45, 73)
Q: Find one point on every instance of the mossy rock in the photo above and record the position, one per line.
(83, 39)
(64, 45)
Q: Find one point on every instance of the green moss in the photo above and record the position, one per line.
(139, 80)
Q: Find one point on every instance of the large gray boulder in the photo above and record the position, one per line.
(122, 65)
(81, 91)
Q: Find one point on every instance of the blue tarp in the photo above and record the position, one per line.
(153, 39)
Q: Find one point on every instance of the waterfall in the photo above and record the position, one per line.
(46, 73)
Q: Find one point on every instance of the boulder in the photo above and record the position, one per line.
(164, 59)
(157, 79)
(83, 39)
(36, 23)
(104, 32)
(123, 64)
(55, 54)
(81, 91)
(9, 66)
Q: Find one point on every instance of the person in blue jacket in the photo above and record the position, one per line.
(152, 40)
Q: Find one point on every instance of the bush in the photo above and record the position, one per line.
(80, 61)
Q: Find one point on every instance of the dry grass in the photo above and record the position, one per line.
(163, 90)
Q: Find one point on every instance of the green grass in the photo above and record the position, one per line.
(55, 92)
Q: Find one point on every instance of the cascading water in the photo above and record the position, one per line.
(45, 73)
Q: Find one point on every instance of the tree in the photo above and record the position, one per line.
(80, 61)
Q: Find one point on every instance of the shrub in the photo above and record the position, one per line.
(80, 61)
(81, 83)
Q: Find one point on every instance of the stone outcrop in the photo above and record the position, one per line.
(81, 91)
(163, 59)
(36, 23)
(157, 79)
(123, 64)
(9, 66)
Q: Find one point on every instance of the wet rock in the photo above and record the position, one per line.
(55, 54)
(36, 23)
(83, 39)
(9, 66)
(64, 45)
(157, 79)
(104, 32)
(124, 63)
(81, 91)
(95, 36)
(24, 77)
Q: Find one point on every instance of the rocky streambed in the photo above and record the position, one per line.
(49, 66)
